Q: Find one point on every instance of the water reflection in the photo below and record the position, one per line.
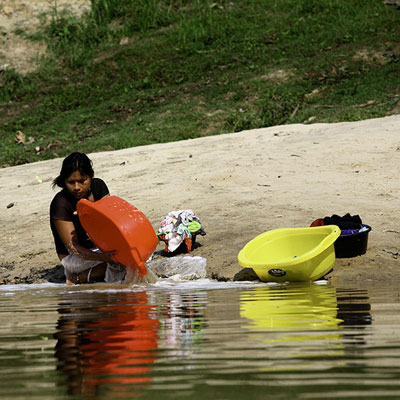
(182, 322)
(307, 321)
(354, 307)
(106, 342)
(111, 341)
(355, 311)
(306, 307)
(294, 341)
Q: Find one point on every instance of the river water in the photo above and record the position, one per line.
(199, 340)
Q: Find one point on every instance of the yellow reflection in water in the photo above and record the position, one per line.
(300, 319)
(291, 308)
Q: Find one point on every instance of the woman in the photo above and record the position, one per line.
(82, 261)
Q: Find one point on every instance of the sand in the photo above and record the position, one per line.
(239, 184)
(22, 54)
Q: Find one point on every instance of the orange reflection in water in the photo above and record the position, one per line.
(110, 344)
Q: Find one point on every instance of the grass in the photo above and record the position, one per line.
(135, 72)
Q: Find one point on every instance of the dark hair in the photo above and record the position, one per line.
(74, 162)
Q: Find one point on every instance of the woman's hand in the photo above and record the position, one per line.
(88, 254)
(67, 233)
(107, 256)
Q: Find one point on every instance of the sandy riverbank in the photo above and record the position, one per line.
(239, 184)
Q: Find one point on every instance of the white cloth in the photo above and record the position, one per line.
(115, 273)
(185, 215)
(174, 240)
(73, 264)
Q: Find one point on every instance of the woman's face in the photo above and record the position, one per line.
(78, 185)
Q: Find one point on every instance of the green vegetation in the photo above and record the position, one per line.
(135, 72)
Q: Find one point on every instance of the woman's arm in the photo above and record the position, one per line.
(66, 230)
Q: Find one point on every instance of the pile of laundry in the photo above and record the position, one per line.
(179, 227)
(348, 224)
(353, 239)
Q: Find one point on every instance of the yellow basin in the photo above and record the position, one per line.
(291, 254)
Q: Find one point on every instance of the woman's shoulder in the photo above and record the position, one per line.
(60, 204)
(59, 197)
(99, 188)
(98, 181)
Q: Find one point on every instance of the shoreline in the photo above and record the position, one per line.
(239, 184)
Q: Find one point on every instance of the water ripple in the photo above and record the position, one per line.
(194, 339)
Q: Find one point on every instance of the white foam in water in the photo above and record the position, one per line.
(186, 273)
(9, 290)
(205, 284)
(178, 273)
(167, 284)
